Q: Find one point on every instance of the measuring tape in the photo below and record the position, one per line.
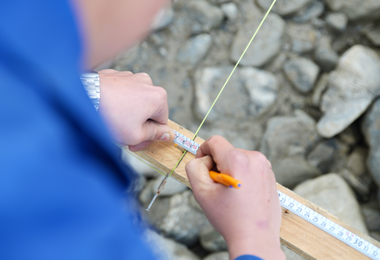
(186, 143)
(304, 212)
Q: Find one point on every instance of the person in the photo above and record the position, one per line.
(61, 184)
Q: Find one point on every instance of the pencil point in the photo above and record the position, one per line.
(230, 186)
(239, 185)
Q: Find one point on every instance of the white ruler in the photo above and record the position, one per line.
(304, 212)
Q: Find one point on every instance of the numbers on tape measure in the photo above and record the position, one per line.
(186, 143)
(304, 212)
(329, 226)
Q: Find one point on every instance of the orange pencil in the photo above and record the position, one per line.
(225, 179)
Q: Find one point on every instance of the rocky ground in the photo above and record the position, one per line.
(305, 95)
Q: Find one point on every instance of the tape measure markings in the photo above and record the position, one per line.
(186, 143)
(304, 212)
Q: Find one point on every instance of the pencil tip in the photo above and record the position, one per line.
(230, 186)
(239, 185)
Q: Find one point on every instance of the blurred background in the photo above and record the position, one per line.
(304, 95)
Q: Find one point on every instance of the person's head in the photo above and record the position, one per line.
(109, 26)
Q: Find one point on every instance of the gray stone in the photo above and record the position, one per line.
(204, 16)
(284, 7)
(329, 156)
(311, 11)
(167, 249)
(232, 104)
(333, 194)
(211, 240)
(238, 138)
(373, 34)
(177, 219)
(146, 195)
(194, 49)
(326, 58)
(266, 44)
(217, 2)
(138, 164)
(291, 255)
(371, 131)
(356, 173)
(372, 217)
(356, 80)
(302, 73)
(171, 187)
(293, 170)
(163, 19)
(356, 161)
(356, 9)
(230, 10)
(319, 88)
(289, 136)
(218, 256)
(302, 37)
(262, 88)
(375, 235)
(349, 136)
(337, 21)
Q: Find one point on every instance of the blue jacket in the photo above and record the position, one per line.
(61, 187)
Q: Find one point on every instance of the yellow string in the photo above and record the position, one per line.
(232, 72)
(220, 92)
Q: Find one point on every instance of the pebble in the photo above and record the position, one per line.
(373, 35)
(262, 88)
(204, 16)
(310, 12)
(302, 73)
(333, 194)
(167, 249)
(195, 49)
(230, 10)
(171, 187)
(291, 171)
(337, 21)
(163, 19)
(266, 45)
(329, 155)
(302, 37)
(289, 136)
(371, 131)
(356, 80)
(218, 256)
(284, 7)
(211, 240)
(372, 217)
(326, 58)
(356, 9)
(319, 88)
(177, 219)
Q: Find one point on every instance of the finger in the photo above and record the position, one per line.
(197, 171)
(143, 78)
(217, 147)
(153, 131)
(140, 146)
(160, 110)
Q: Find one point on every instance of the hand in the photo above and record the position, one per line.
(248, 218)
(136, 111)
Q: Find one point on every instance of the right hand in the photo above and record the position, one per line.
(249, 218)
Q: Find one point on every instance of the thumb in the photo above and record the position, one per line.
(197, 171)
(154, 131)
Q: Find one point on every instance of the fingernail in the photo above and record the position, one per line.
(165, 137)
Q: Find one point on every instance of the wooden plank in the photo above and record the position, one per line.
(296, 233)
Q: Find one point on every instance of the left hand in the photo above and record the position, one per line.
(136, 111)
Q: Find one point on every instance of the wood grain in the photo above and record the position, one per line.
(296, 233)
